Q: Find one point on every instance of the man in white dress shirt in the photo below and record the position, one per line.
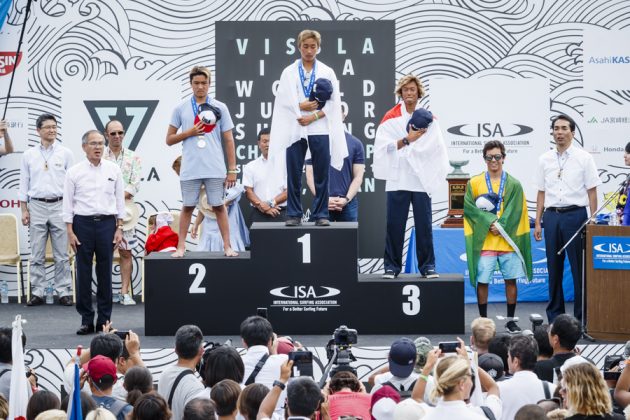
(42, 176)
(93, 209)
(567, 181)
(523, 387)
(268, 199)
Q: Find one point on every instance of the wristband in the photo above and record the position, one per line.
(232, 171)
(425, 378)
(316, 115)
(279, 384)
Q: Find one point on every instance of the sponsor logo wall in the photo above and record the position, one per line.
(88, 61)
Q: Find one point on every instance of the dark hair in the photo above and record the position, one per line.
(41, 401)
(6, 344)
(568, 330)
(303, 397)
(267, 130)
(199, 409)
(565, 118)
(256, 331)
(108, 345)
(188, 339)
(138, 381)
(530, 412)
(541, 335)
(151, 406)
(499, 346)
(224, 362)
(87, 403)
(199, 71)
(250, 399)
(493, 144)
(344, 379)
(225, 396)
(628, 147)
(525, 349)
(44, 117)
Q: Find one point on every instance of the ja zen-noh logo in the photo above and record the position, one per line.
(8, 62)
(304, 292)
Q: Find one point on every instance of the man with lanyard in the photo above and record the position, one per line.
(42, 176)
(93, 209)
(299, 124)
(411, 157)
(130, 166)
(567, 182)
(496, 227)
(203, 122)
(269, 201)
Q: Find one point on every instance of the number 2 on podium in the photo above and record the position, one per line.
(305, 240)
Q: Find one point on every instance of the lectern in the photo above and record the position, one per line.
(608, 281)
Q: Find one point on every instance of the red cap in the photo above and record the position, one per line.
(99, 366)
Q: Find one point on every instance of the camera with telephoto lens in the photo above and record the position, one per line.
(339, 351)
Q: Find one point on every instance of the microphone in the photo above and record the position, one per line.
(624, 184)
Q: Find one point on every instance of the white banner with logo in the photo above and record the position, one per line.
(474, 111)
(606, 59)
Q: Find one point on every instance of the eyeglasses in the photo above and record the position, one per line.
(95, 145)
(49, 127)
(490, 158)
(116, 133)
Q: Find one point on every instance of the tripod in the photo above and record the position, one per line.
(582, 232)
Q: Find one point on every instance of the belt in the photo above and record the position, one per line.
(97, 217)
(48, 200)
(563, 209)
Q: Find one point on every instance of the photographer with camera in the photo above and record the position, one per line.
(262, 364)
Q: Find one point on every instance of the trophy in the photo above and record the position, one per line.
(457, 181)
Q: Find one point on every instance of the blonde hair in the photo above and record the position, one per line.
(558, 414)
(586, 390)
(448, 373)
(309, 33)
(152, 220)
(52, 415)
(408, 79)
(100, 413)
(200, 71)
(483, 330)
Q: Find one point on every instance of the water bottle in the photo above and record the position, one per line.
(49, 293)
(4, 292)
(613, 219)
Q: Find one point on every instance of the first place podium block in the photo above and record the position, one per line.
(306, 277)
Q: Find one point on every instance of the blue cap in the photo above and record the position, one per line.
(421, 118)
(402, 357)
(321, 92)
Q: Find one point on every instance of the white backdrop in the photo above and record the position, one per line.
(528, 61)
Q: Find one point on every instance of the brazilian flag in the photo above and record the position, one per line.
(513, 224)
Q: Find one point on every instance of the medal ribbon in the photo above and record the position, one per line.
(195, 108)
(307, 89)
(501, 188)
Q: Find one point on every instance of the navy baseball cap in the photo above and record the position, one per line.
(321, 92)
(402, 357)
(421, 118)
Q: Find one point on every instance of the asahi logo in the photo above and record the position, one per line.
(304, 292)
(8, 62)
(490, 129)
(134, 116)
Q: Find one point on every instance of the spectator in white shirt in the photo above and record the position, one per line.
(269, 201)
(524, 387)
(93, 209)
(42, 176)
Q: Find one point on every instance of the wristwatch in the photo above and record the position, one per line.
(405, 141)
(279, 384)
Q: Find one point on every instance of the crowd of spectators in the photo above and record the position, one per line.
(498, 376)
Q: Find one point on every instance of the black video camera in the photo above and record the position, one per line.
(344, 336)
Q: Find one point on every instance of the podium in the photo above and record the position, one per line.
(608, 281)
(307, 279)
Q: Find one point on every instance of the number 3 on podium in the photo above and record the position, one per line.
(305, 240)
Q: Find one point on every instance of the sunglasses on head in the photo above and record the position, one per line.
(490, 158)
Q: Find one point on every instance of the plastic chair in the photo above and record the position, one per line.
(10, 247)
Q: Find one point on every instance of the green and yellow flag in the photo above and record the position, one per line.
(513, 223)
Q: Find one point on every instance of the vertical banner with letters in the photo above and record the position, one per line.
(250, 57)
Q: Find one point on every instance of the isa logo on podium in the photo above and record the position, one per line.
(611, 253)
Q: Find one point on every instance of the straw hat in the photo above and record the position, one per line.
(132, 214)
(203, 205)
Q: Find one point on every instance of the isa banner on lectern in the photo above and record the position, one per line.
(611, 253)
